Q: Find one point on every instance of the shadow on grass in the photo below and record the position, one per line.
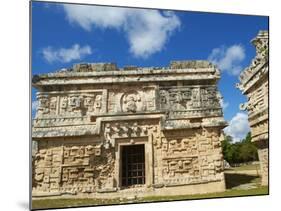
(232, 180)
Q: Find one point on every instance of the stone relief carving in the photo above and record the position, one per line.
(187, 157)
(176, 99)
(131, 102)
(63, 104)
(180, 100)
(73, 169)
(196, 98)
(43, 104)
(190, 158)
(79, 104)
(75, 104)
(89, 103)
(93, 103)
(107, 136)
(261, 44)
(189, 98)
(211, 97)
(174, 155)
(125, 130)
(174, 167)
(98, 103)
(257, 100)
(259, 128)
(180, 160)
(189, 101)
(112, 105)
(53, 105)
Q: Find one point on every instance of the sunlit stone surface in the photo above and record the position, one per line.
(254, 84)
(90, 114)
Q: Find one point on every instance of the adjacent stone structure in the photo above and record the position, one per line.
(254, 84)
(111, 132)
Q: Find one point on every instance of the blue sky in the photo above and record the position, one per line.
(67, 34)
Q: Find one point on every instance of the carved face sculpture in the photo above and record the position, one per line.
(178, 97)
(130, 102)
(63, 102)
(75, 102)
(53, 103)
(89, 101)
(43, 105)
(98, 102)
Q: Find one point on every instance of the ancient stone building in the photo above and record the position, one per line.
(111, 132)
(254, 84)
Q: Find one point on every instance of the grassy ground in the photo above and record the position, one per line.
(247, 167)
(59, 203)
(234, 180)
(229, 193)
(56, 203)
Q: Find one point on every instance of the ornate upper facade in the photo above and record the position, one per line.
(254, 84)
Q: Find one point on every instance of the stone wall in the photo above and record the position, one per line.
(254, 84)
(87, 113)
(72, 167)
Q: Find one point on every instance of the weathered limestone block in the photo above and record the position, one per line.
(263, 157)
(190, 64)
(73, 168)
(94, 67)
(254, 84)
(107, 131)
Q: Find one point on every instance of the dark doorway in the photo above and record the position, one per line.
(133, 165)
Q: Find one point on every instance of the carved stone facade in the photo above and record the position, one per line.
(89, 114)
(254, 84)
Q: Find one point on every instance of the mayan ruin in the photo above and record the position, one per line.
(108, 132)
(254, 84)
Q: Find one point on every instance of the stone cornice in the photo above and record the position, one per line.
(127, 76)
(258, 66)
(258, 75)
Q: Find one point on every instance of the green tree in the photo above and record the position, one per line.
(239, 152)
(248, 151)
(227, 149)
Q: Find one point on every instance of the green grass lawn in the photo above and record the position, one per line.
(57, 203)
(233, 177)
(246, 167)
(228, 193)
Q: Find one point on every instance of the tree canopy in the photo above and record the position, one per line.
(239, 152)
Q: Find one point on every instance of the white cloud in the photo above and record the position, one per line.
(65, 55)
(228, 59)
(147, 31)
(34, 105)
(224, 104)
(238, 127)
